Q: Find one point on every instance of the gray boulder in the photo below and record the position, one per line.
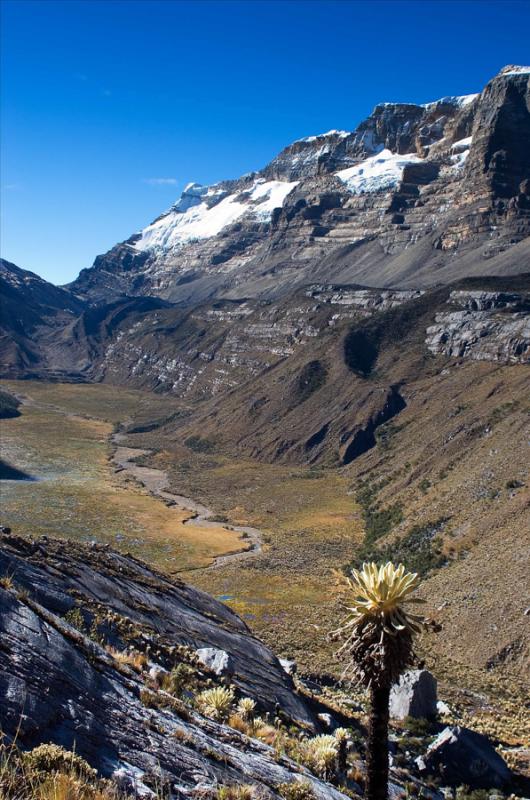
(218, 661)
(459, 756)
(414, 696)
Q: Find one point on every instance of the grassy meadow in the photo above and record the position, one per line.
(61, 440)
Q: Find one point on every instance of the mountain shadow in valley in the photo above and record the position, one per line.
(364, 439)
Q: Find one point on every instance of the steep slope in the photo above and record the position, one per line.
(324, 402)
(88, 639)
(417, 195)
(48, 332)
(422, 407)
(34, 314)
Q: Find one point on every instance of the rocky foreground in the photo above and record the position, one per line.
(105, 657)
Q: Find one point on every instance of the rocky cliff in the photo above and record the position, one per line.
(416, 195)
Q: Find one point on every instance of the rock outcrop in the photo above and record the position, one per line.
(62, 686)
(55, 572)
(415, 695)
(35, 316)
(90, 642)
(488, 326)
(459, 757)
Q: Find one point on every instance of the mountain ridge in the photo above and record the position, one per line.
(445, 183)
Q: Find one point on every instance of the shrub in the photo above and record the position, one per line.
(296, 791)
(199, 444)
(6, 582)
(181, 677)
(236, 792)
(311, 377)
(132, 658)
(246, 708)
(377, 523)
(52, 758)
(419, 726)
(514, 484)
(419, 549)
(74, 617)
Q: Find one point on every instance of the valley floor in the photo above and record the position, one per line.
(61, 442)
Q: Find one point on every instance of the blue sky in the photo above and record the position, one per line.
(110, 107)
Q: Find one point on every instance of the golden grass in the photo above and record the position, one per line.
(138, 661)
(80, 497)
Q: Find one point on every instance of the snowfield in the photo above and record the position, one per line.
(382, 171)
(192, 217)
(459, 101)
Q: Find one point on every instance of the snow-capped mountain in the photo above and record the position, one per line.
(415, 195)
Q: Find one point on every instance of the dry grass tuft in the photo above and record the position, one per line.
(132, 658)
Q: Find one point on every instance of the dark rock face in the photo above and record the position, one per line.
(500, 158)
(60, 686)
(488, 326)
(459, 756)
(53, 571)
(65, 690)
(31, 311)
(364, 438)
(9, 405)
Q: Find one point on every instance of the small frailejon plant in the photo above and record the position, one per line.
(236, 792)
(378, 645)
(216, 703)
(320, 755)
(53, 758)
(181, 677)
(246, 708)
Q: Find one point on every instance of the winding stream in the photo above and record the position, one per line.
(156, 482)
(73, 487)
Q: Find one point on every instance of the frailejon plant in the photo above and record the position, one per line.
(320, 755)
(246, 709)
(378, 638)
(216, 703)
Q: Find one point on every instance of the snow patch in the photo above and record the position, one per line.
(192, 217)
(191, 196)
(340, 134)
(382, 171)
(460, 152)
(462, 144)
(517, 71)
(270, 195)
(459, 159)
(458, 101)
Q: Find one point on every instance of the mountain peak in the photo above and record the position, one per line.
(514, 69)
(417, 189)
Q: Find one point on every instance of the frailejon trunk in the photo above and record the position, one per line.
(377, 756)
